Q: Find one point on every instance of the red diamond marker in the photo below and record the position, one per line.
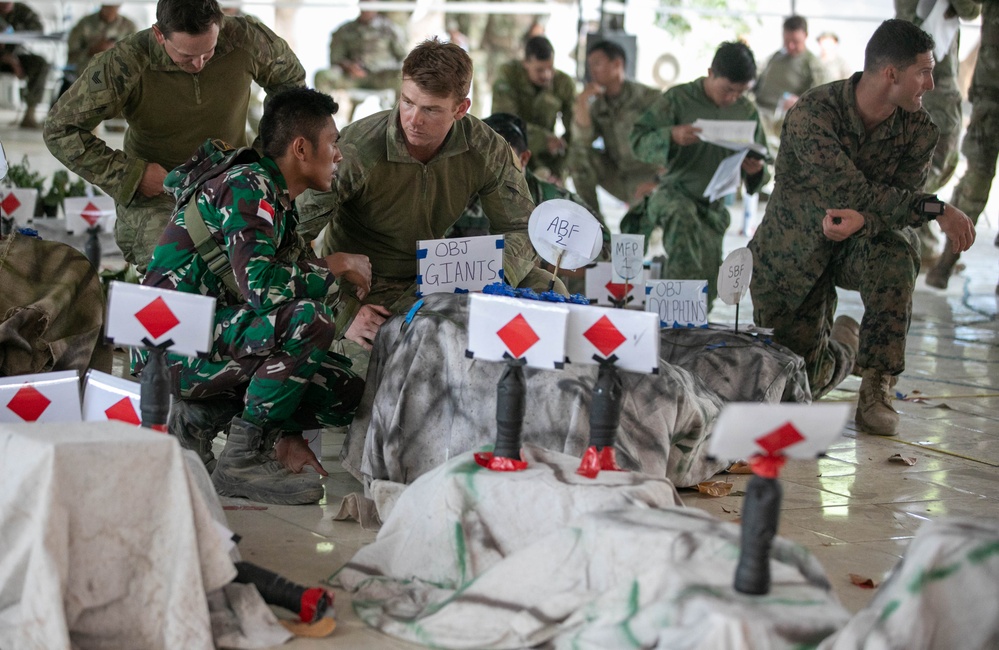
(157, 318)
(518, 335)
(28, 404)
(124, 411)
(618, 291)
(91, 214)
(780, 438)
(605, 336)
(10, 204)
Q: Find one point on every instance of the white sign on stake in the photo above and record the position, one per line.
(734, 276)
(19, 203)
(527, 329)
(565, 234)
(744, 430)
(627, 252)
(106, 397)
(679, 303)
(44, 397)
(601, 286)
(137, 314)
(459, 265)
(85, 212)
(632, 336)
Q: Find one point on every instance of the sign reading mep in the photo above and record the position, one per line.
(679, 303)
(459, 265)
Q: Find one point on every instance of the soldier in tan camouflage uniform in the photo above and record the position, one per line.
(94, 34)
(850, 173)
(365, 53)
(18, 17)
(176, 89)
(981, 143)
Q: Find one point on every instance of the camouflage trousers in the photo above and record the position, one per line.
(981, 148)
(883, 269)
(139, 225)
(279, 362)
(590, 168)
(693, 233)
(36, 71)
(945, 111)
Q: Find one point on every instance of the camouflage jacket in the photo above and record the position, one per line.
(20, 19)
(690, 168)
(514, 93)
(985, 82)
(784, 73)
(249, 214)
(827, 160)
(384, 200)
(90, 31)
(170, 112)
(612, 119)
(494, 32)
(377, 46)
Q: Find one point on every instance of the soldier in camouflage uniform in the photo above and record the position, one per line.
(410, 172)
(18, 17)
(539, 94)
(94, 34)
(693, 227)
(850, 173)
(607, 109)
(365, 53)
(943, 103)
(271, 340)
(176, 90)
(981, 143)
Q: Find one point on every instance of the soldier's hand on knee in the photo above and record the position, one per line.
(958, 227)
(353, 268)
(841, 223)
(366, 324)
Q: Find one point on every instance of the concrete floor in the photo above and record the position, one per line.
(854, 509)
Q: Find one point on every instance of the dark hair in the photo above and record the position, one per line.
(540, 48)
(511, 127)
(187, 16)
(896, 42)
(292, 113)
(735, 62)
(795, 24)
(612, 50)
(441, 69)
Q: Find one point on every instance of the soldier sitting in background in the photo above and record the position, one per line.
(18, 17)
(94, 34)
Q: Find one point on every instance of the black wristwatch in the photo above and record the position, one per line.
(931, 207)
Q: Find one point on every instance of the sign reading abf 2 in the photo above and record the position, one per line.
(627, 252)
(790, 430)
(141, 316)
(679, 303)
(631, 336)
(457, 265)
(526, 329)
(45, 397)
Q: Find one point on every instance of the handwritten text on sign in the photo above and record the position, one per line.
(626, 256)
(679, 303)
(468, 264)
(572, 234)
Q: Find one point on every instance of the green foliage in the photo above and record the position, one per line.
(671, 18)
(61, 187)
(21, 175)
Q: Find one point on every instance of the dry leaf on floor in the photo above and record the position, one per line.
(739, 467)
(899, 458)
(323, 627)
(862, 581)
(715, 488)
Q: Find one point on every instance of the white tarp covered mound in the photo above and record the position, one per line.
(470, 558)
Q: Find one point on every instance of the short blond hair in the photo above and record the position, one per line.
(440, 69)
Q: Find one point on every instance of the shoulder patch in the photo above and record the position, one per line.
(97, 79)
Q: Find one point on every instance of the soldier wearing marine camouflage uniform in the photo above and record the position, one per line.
(271, 339)
(943, 103)
(981, 143)
(18, 17)
(848, 193)
(176, 89)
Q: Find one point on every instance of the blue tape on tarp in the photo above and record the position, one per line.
(412, 312)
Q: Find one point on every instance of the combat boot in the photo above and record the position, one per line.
(244, 469)
(845, 330)
(874, 410)
(195, 423)
(939, 275)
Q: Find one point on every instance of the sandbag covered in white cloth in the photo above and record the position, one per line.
(475, 559)
(943, 594)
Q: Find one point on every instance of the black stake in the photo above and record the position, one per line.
(155, 387)
(605, 404)
(760, 516)
(92, 248)
(510, 390)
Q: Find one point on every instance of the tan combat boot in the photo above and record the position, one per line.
(845, 330)
(874, 410)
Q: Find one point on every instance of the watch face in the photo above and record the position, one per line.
(933, 207)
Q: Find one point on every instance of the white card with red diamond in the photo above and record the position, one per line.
(144, 316)
(18, 202)
(791, 430)
(459, 265)
(45, 397)
(106, 397)
(528, 329)
(631, 336)
(679, 303)
(600, 286)
(83, 212)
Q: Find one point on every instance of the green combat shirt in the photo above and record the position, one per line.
(514, 93)
(784, 73)
(169, 112)
(827, 160)
(612, 119)
(90, 31)
(384, 200)
(690, 168)
(377, 46)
